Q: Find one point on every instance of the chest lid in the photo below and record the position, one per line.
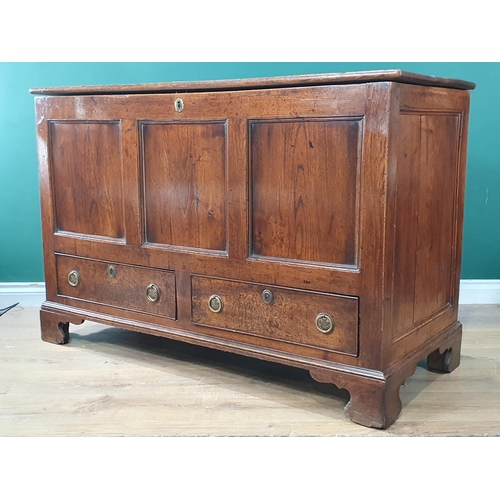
(391, 75)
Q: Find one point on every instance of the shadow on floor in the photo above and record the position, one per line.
(155, 352)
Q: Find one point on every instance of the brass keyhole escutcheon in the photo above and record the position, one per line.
(179, 105)
(267, 296)
(324, 323)
(112, 271)
(215, 304)
(152, 293)
(73, 278)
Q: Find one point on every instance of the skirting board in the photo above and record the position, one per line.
(33, 294)
(27, 294)
(479, 292)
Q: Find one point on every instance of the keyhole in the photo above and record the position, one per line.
(179, 105)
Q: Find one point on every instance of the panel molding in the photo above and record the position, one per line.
(33, 294)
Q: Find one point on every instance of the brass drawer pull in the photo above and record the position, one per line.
(152, 293)
(267, 296)
(73, 278)
(112, 271)
(324, 323)
(215, 303)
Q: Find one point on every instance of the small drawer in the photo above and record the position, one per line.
(314, 319)
(133, 288)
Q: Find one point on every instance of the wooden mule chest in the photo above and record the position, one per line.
(314, 221)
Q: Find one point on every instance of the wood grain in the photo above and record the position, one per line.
(406, 232)
(184, 168)
(304, 188)
(269, 82)
(87, 178)
(305, 196)
(290, 316)
(125, 290)
(435, 245)
(425, 219)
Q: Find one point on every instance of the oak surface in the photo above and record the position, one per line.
(269, 82)
(305, 189)
(344, 196)
(185, 185)
(290, 316)
(97, 285)
(88, 191)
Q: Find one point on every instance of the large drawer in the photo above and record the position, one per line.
(323, 320)
(127, 287)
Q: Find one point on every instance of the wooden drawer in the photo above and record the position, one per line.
(118, 285)
(280, 313)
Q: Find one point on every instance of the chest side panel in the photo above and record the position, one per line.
(428, 210)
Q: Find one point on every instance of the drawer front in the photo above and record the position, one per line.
(133, 288)
(313, 319)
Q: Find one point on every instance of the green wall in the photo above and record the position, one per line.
(20, 229)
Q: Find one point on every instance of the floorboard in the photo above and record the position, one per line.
(112, 382)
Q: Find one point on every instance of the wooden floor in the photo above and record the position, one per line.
(112, 382)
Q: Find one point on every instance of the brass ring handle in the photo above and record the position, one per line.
(153, 293)
(324, 323)
(73, 278)
(215, 303)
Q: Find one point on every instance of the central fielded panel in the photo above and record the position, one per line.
(185, 185)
